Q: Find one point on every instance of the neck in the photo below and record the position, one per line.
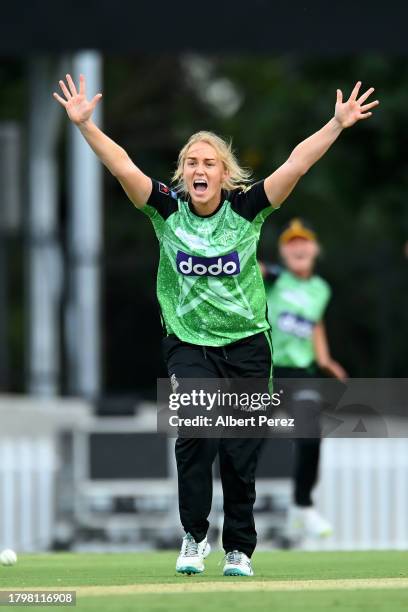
(302, 273)
(207, 208)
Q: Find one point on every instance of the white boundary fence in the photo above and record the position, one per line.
(27, 485)
(363, 491)
(29, 460)
(363, 488)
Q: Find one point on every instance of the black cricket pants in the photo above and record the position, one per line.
(238, 457)
(307, 450)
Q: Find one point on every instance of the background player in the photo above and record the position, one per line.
(297, 299)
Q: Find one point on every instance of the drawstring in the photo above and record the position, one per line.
(224, 352)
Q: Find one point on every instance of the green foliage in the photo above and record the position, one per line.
(355, 196)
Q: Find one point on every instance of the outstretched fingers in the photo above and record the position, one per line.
(96, 99)
(339, 96)
(60, 100)
(367, 107)
(354, 93)
(365, 95)
(82, 85)
(71, 85)
(65, 90)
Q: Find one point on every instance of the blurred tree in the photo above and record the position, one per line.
(355, 196)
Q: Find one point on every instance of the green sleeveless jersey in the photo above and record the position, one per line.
(209, 284)
(295, 305)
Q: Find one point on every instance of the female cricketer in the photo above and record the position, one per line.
(211, 295)
(297, 299)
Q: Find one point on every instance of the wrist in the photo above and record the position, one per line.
(84, 125)
(337, 124)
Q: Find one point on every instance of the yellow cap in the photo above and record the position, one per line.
(297, 229)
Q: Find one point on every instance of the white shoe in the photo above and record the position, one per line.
(192, 555)
(307, 522)
(237, 564)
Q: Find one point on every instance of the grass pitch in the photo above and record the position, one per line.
(283, 581)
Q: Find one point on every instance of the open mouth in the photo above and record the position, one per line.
(200, 186)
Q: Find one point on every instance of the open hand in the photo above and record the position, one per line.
(348, 113)
(78, 108)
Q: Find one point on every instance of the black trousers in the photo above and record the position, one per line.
(238, 457)
(307, 450)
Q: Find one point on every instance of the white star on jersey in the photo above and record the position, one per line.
(216, 287)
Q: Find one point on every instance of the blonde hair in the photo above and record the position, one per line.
(237, 176)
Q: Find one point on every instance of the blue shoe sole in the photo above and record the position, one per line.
(188, 570)
(235, 572)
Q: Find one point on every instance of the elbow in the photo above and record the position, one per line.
(323, 362)
(304, 168)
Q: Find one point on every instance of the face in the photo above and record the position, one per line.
(203, 173)
(299, 255)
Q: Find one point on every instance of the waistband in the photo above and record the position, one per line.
(219, 349)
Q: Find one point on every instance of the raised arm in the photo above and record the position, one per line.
(280, 184)
(79, 109)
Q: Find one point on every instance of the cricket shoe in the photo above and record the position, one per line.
(192, 555)
(307, 522)
(237, 564)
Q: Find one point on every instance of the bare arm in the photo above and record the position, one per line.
(322, 352)
(136, 184)
(280, 184)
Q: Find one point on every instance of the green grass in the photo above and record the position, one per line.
(141, 568)
(65, 570)
(336, 601)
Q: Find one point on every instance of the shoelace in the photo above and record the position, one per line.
(191, 547)
(234, 557)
